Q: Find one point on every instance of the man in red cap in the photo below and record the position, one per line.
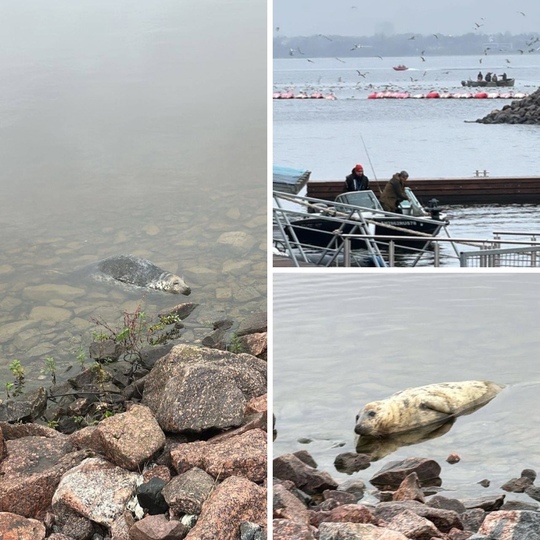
(357, 180)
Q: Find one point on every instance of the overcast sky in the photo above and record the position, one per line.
(363, 18)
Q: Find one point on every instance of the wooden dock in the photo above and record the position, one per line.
(450, 191)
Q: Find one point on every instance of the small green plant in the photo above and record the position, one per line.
(81, 357)
(16, 387)
(50, 368)
(236, 346)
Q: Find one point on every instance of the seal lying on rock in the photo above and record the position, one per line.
(139, 272)
(418, 408)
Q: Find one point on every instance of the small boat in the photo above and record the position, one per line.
(289, 180)
(499, 82)
(350, 210)
(401, 67)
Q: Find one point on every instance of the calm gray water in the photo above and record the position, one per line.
(343, 339)
(426, 137)
(128, 128)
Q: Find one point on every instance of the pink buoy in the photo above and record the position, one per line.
(481, 95)
(433, 95)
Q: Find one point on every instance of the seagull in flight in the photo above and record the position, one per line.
(412, 37)
(521, 13)
(362, 74)
(310, 60)
(423, 59)
(340, 60)
(325, 37)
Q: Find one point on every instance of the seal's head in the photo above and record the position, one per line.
(368, 420)
(172, 284)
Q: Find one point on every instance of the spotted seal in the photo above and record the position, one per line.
(139, 272)
(418, 408)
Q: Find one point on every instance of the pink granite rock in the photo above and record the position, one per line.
(157, 528)
(97, 490)
(15, 527)
(233, 502)
(131, 438)
(244, 455)
(31, 471)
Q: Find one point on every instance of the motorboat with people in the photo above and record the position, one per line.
(360, 212)
(401, 67)
(491, 84)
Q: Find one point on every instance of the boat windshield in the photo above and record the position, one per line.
(365, 199)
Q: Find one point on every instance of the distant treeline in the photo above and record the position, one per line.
(321, 46)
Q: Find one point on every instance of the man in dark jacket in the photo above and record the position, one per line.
(394, 192)
(357, 180)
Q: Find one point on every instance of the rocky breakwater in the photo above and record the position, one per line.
(187, 457)
(521, 111)
(406, 504)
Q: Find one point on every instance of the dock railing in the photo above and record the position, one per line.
(386, 251)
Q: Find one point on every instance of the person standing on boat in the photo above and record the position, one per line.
(488, 76)
(394, 192)
(357, 180)
(480, 76)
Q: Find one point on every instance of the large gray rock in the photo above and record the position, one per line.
(24, 408)
(193, 389)
(186, 492)
(97, 490)
(510, 525)
(520, 111)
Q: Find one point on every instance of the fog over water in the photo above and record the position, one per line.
(128, 128)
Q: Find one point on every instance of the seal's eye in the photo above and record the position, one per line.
(371, 414)
(357, 417)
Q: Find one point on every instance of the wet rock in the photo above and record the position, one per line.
(444, 520)
(519, 485)
(215, 340)
(283, 529)
(520, 505)
(306, 478)
(511, 525)
(392, 474)
(49, 314)
(158, 528)
(195, 389)
(10, 330)
(186, 492)
(244, 455)
(413, 526)
(533, 492)
(15, 527)
(350, 462)
(255, 324)
(409, 490)
(239, 241)
(24, 408)
(351, 531)
(31, 471)
(233, 502)
(131, 438)
(46, 291)
(287, 506)
(354, 486)
(150, 496)
(438, 501)
(489, 503)
(183, 311)
(306, 457)
(97, 490)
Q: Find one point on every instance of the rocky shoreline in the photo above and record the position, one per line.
(521, 111)
(309, 504)
(176, 449)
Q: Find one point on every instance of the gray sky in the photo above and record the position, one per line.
(360, 17)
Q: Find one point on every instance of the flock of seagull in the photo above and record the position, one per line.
(477, 25)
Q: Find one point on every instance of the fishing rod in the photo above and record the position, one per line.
(371, 164)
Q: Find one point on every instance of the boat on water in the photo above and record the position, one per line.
(360, 212)
(401, 67)
(490, 84)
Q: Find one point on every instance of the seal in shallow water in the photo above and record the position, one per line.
(141, 273)
(416, 408)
